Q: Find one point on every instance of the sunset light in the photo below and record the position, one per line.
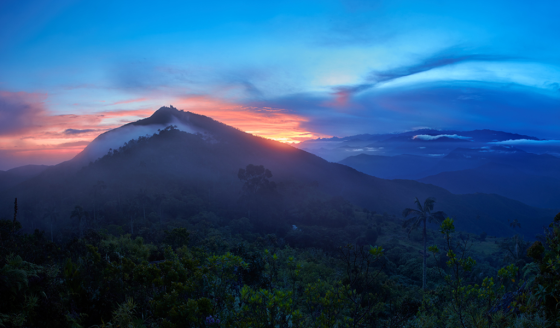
(291, 73)
(286, 164)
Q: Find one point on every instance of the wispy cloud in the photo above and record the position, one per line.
(130, 101)
(28, 130)
(526, 142)
(77, 131)
(444, 58)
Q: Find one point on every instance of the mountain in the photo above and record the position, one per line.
(201, 159)
(423, 142)
(113, 139)
(505, 180)
(392, 167)
(17, 175)
(530, 163)
(408, 166)
(503, 170)
(476, 135)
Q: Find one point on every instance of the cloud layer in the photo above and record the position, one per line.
(430, 137)
(30, 133)
(289, 71)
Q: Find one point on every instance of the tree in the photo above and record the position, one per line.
(130, 210)
(143, 199)
(422, 215)
(79, 214)
(96, 191)
(257, 186)
(51, 215)
(256, 179)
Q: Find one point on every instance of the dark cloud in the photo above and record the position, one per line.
(450, 56)
(467, 105)
(19, 111)
(446, 105)
(77, 131)
(251, 89)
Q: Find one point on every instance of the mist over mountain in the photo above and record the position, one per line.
(201, 158)
(17, 175)
(502, 179)
(392, 167)
(114, 139)
(423, 142)
(516, 166)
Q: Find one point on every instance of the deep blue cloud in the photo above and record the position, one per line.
(77, 131)
(446, 57)
(349, 67)
(461, 105)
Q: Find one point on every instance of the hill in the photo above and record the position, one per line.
(505, 180)
(197, 169)
(392, 167)
(19, 174)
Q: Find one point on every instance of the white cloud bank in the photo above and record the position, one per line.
(429, 137)
(527, 142)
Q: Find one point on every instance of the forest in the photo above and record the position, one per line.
(333, 264)
(172, 230)
(279, 164)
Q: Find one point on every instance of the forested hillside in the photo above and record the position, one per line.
(218, 228)
(172, 164)
(208, 271)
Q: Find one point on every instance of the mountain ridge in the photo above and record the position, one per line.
(213, 155)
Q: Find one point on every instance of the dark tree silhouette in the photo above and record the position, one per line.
(422, 215)
(256, 179)
(96, 191)
(79, 214)
(51, 216)
(515, 224)
(257, 186)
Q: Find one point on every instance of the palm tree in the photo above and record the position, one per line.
(421, 215)
(515, 224)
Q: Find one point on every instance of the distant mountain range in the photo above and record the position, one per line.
(501, 179)
(20, 174)
(204, 152)
(424, 142)
(516, 166)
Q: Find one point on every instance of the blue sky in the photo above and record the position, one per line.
(288, 70)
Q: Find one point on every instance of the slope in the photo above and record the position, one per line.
(210, 158)
(504, 180)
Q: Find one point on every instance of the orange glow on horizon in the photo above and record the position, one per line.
(270, 123)
(37, 136)
(45, 138)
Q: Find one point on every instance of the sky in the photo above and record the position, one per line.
(286, 70)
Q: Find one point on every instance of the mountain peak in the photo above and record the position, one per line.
(160, 119)
(164, 115)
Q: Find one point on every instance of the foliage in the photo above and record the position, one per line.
(421, 216)
(194, 258)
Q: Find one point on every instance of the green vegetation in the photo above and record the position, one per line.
(232, 248)
(421, 216)
(204, 271)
